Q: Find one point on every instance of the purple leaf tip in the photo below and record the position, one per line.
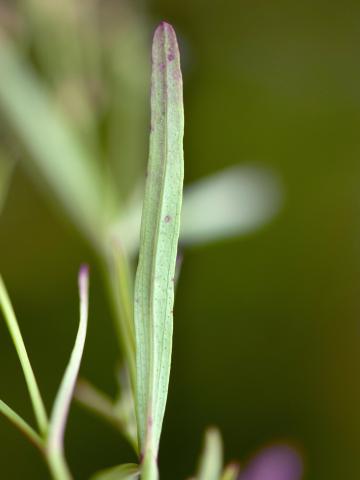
(164, 27)
(83, 280)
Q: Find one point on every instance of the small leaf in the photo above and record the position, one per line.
(128, 471)
(154, 284)
(211, 461)
(63, 398)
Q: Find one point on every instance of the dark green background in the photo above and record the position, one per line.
(267, 327)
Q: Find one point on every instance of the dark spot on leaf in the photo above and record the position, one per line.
(171, 57)
(167, 219)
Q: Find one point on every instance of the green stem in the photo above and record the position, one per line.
(12, 324)
(57, 465)
(149, 469)
(22, 425)
(117, 273)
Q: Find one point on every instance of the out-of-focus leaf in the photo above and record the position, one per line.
(128, 471)
(231, 472)
(6, 170)
(127, 68)
(63, 398)
(66, 46)
(120, 285)
(232, 202)
(120, 413)
(160, 225)
(211, 460)
(125, 407)
(96, 401)
(63, 161)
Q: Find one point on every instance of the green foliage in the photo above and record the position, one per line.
(50, 438)
(154, 284)
(63, 144)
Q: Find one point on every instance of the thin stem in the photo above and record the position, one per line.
(149, 468)
(57, 465)
(55, 460)
(22, 425)
(117, 274)
(12, 324)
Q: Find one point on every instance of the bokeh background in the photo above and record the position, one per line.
(267, 325)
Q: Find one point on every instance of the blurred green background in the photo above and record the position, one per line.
(267, 326)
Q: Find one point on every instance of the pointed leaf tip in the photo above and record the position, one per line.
(164, 26)
(65, 393)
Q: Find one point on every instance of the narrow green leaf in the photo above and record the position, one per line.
(231, 472)
(13, 327)
(128, 471)
(154, 284)
(55, 150)
(63, 398)
(211, 461)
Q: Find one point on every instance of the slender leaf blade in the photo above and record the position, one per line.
(63, 398)
(160, 225)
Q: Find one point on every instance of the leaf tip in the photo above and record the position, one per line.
(164, 26)
(165, 30)
(83, 280)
